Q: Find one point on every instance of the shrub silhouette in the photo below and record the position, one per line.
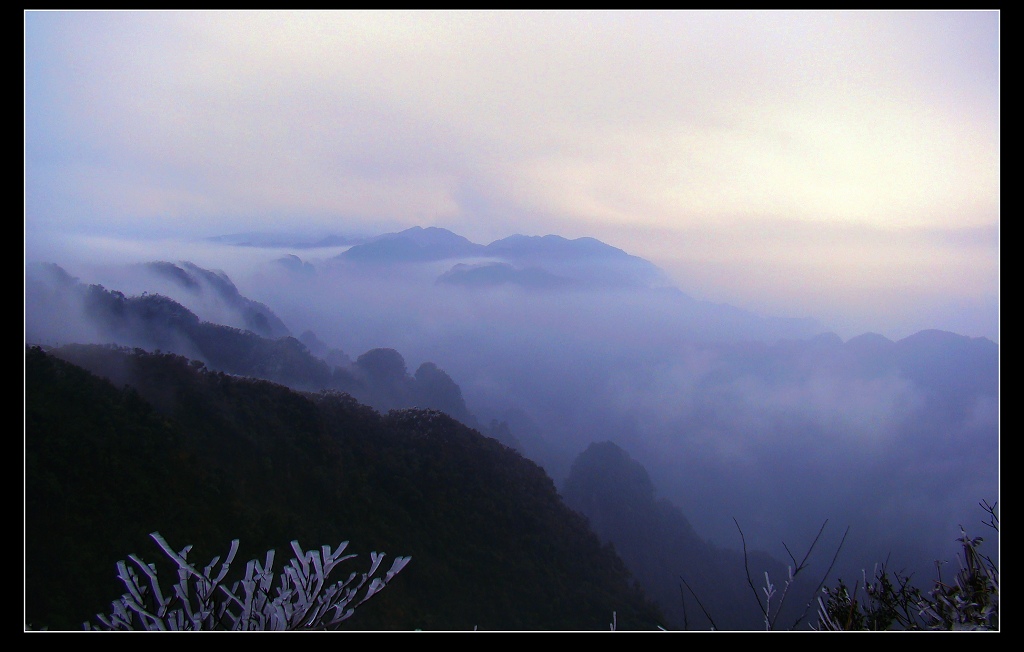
(969, 601)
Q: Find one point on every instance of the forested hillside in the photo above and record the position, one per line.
(205, 457)
(698, 585)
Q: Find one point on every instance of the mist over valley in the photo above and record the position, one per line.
(560, 304)
(552, 345)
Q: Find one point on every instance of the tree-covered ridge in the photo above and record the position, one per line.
(206, 457)
(265, 350)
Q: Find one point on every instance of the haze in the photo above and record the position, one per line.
(839, 165)
(801, 178)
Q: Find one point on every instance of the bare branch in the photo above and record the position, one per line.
(796, 571)
(682, 598)
(746, 566)
(823, 577)
(993, 520)
(699, 603)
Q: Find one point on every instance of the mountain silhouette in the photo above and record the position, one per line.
(416, 244)
(204, 457)
(697, 585)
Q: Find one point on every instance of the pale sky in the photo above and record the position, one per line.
(842, 165)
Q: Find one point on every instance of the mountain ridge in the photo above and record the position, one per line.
(204, 457)
(432, 243)
(957, 375)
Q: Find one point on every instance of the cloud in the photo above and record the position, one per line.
(780, 436)
(682, 136)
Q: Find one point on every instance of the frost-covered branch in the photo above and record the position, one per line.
(199, 600)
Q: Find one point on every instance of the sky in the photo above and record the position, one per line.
(842, 165)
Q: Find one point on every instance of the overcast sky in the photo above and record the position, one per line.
(839, 165)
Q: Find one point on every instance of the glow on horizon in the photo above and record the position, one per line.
(836, 164)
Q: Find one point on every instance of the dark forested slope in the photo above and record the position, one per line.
(205, 457)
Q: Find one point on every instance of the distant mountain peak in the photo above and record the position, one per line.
(552, 245)
(415, 244)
